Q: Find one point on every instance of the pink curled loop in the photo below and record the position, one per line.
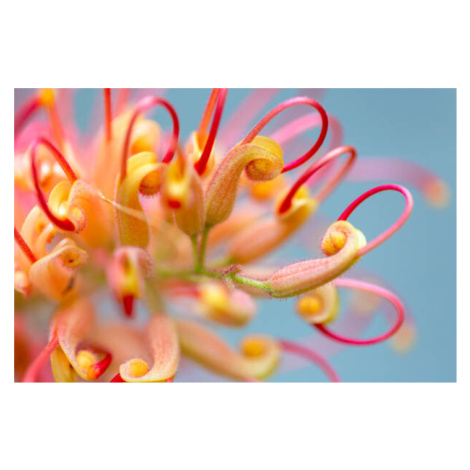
(332, 183)
(220, 96)
(143, 105)
(372, 288)
(281, 107)
(312, 356)
(66, 225)
(391, 230)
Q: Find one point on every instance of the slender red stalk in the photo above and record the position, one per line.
(25, 113)
(35, 367)
(405, 172)
(312, 356)
(57, 130)
(373, 289)
(66, 224)
(201, 164)
(281, 107)
(108, 114)
(118, 378)
(128, 304)
(24, 246)
(204, 124)
(122, 99)
(249, 108)
(58, 156)
(293, 129)
(391, 230)
(98, 369)
(332, 183)
(143, 105)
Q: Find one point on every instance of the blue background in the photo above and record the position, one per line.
(418, 263)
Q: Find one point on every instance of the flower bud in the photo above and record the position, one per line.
(229, 307)
(320, 305)
(262, 161)
(341, 243)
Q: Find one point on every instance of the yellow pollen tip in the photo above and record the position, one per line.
(302, 193)
(404, 339)
(142, 144)
(138, 368)
(437, 193)
(214, 296)
(309, 305)
(46, 96)
(85, 359)
(268, 144)
(253, 347)
(333, 242)
(263, 190)
(70, 258)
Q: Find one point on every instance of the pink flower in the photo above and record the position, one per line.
(167, 238)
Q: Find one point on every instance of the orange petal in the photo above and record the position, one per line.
(143, 173)
(53, 275)
(72, 325)
(262, 160)
(228, 307)
(320, 305)
(164, 350)
(259, 357)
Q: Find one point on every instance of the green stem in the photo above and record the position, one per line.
(195, 251)
(202, 250)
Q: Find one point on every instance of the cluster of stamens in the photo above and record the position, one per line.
(179, 234)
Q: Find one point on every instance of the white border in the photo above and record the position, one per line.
(141, 44)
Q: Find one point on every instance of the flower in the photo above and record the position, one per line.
(181, 234)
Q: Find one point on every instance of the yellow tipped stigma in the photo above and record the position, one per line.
(263, 190)
(85, 359)
(138, 368)
(46, 96)
(71, 258)
(215, 296)
(309, 305)
(302, 193)
(268, 144)
(404, 339)
(150, 183)
(253, 347)
(437, 193)
(333, 242)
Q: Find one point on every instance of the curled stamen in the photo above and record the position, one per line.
(433, 188)
(108, 113)
(293, 129)
(26, 111)
(391, 230)
(97, 369)
(66, 224)
(281, 107)
(245, 113)
(332, 183)
(45, 98)
(24, 246)
(143, 105)
(312, 356)
(220, 95)
(373, 289)
(204, 124)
